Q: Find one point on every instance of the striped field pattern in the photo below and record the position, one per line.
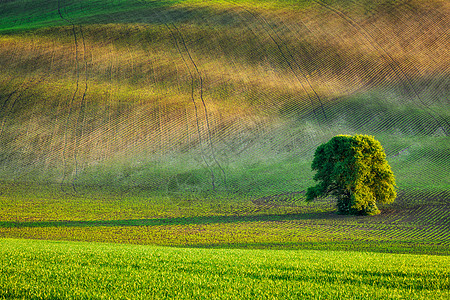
(231, 96)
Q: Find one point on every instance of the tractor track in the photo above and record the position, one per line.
(80, 117)
(180, 44)
(196, 110)
(173, 31)
(79, 126)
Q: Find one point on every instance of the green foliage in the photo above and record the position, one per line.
(355, 170)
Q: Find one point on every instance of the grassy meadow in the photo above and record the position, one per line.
(75, 270)
(163, 148)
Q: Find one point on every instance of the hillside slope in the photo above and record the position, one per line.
(190, 96)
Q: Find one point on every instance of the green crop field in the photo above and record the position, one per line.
(278, 222)
(186, 129)
(69, 270)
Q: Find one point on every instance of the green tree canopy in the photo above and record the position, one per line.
(354, 169)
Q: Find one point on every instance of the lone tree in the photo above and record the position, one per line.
(354, 169)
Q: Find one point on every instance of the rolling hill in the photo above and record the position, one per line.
(227, 96)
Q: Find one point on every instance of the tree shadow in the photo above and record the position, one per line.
(194, 220)
(166, 14)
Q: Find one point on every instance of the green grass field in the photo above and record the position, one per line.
(162, 148)
(74, 270)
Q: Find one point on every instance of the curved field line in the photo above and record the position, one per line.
(389, 59)
(278, 41)
(416, 93)
(289, 53)
(81, 114)
(197, 118)
(179, 39)
(69, 21)
(25, 87)
(4, 107)
(204, 106)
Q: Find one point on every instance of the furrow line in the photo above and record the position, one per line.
(389, 59)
